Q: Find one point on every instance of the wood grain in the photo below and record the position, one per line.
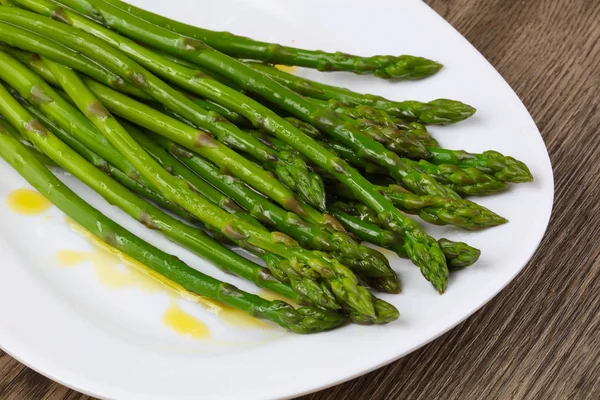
(540, 337)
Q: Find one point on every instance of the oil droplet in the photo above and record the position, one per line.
(28, 202)
(117, 270)
(269, 295)
(183, 323)
(286, 68)
(69, 258)
(240, 319)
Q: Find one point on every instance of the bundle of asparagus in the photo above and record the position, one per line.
(140, 107)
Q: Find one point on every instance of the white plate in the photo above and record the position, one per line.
(112, 343)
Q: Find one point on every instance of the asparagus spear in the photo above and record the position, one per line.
(165, 94)
(368, 116)
(436, 112)
(290, 170)
(104, 166)
(501, 167)
(302, 320)
(361, 259)
(383, 66)
(253, 81)
(400, 142)
(342, 281)
(9, 35)
(303, 286)
(458, 254)
(433, 209)
(468, 181)
(423, 250)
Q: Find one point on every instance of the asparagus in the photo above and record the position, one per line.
(343, 282)
(305, 287)
(436, 112)
(7, 128)
(291, 170)
(104, 166)
(302, 320)
(11, 36)
(368, 116)
(253, 81)
(458, 254)
(400, 142)
(501, 167)
(468, 181)
(383, 66)
(36, 91)
(289, 167)
(162, 92)
(361, 259)
(435, 210)
(432, 209)
(423, 250)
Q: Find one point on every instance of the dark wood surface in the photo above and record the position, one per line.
(540, 337)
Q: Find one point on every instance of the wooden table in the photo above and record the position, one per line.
(540, 337)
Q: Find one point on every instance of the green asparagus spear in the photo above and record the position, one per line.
(37, 92)
(163, 93)
(387, 67)
(302, 320)
(307, 288)
(468, 181)
(433, 209)
(254, 81)
(342, 281)
(9, 35)
(400, 142)
(7, 128)
(436, 112)
(367, 116)
(423, 250)
(501, 167)
(361, 259)
(458, 254)
(104, 166)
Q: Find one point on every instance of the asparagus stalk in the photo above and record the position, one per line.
(307, 288)
(342, 281)
(361, 259)
(175, 100)
(302, 320)
(436, 112)
(400, 142)
(433, 209)
(253, 81)
(367, 117)
(468, 181)
(290, 169)
(502, 168)
(388, 67)
(423, 250)
(10, 35)
(104, 166)
(458, 254)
